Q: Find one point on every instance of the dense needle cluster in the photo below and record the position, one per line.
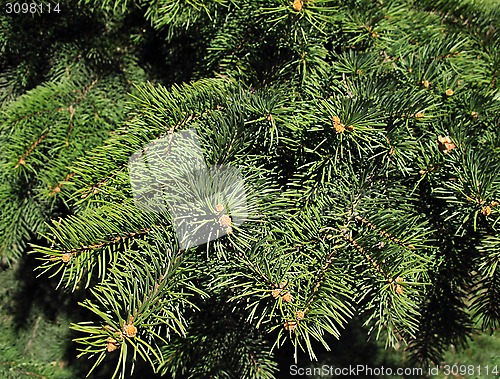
(365, 137)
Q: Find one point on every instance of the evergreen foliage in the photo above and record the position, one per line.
(33, 335)
(366, 135)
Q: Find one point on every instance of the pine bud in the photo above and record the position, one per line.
(449, 92)
(445, 144)
(130, 330)
(337, 125)
(297, 5)
(66, 257)
(398, 287)
(111, 344)
(339, 128)
(287, 297)
(290, 325)
(225, 221)
(486, 210)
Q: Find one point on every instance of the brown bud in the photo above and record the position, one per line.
(399, 289)
(130, 330)
(290, 325)
(66, 257)
(339, 128)
(297, 5)
(111, 344)
(445, 144)
(225, 221)
(337, 125)
(287, 297)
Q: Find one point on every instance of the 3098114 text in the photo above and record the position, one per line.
(25, 8)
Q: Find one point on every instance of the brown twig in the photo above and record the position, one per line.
(383, 232)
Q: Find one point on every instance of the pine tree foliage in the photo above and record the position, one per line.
(366, 138)
(43, 132)
(32, 339)
(46, 128)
